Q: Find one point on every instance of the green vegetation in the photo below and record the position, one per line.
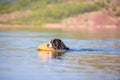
(55, 13)
(45, 11)
(117, 13)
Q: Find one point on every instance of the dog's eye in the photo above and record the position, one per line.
(49, 45)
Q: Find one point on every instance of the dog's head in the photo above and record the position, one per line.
(57, 44)
(54, 44)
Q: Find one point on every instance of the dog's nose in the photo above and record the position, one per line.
(49, 45)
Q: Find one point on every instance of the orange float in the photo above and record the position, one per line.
(45, 47)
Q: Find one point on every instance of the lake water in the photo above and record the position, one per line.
(93, 56)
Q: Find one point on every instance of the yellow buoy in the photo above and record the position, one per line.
(45, 47)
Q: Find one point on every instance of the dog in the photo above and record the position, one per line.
(58, 44)
(54, 44)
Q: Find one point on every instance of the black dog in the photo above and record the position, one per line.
(57, 44)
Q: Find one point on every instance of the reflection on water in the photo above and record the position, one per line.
(45, 56)
(89, 57)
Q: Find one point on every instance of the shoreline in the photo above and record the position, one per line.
(93, 21)
(75, 28)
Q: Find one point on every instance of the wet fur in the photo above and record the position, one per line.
(58, 44)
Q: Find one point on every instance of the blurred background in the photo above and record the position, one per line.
(60, 14)
(90, 28)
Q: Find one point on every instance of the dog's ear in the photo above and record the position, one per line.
(63, 46)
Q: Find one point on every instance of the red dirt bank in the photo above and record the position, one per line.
(99, 19)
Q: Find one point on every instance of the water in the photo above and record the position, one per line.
(92, 57)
